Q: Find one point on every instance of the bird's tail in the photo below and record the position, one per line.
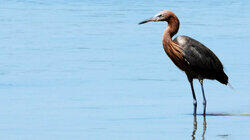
(223, 78)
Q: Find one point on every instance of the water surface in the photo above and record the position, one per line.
(85, 70)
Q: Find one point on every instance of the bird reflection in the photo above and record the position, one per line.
(195, 127)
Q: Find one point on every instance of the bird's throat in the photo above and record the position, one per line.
(173, 26)
(173, 50)
(170, 31)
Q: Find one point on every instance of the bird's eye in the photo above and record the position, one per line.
(160, 15)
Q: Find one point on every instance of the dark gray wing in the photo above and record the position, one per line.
(200, 59)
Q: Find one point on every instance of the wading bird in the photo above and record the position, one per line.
(189, 55)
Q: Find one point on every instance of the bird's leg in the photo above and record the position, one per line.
(204, 98)
(194, 97)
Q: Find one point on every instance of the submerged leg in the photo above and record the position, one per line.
(204, 98)
(194, 97)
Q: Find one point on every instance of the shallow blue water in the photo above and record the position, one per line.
(85, 70)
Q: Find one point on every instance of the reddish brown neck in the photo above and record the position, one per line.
(172, 28)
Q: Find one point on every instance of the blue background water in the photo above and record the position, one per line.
(85, 70)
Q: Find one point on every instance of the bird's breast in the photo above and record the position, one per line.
(175, 53)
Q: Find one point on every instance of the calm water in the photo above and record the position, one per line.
(85, 70)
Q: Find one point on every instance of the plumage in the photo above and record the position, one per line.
(201, 60)
(189, 55)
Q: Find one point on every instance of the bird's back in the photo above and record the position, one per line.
(201, 61)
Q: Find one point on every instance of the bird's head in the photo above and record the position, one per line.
(164, 15)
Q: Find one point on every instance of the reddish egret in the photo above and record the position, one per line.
(189, 55)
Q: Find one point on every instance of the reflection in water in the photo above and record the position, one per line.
(227, 114)
(205, 124)
(195, 127)
(204, 127)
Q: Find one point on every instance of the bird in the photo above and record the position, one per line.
(189, 55)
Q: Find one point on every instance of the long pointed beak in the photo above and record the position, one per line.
(148, 20)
